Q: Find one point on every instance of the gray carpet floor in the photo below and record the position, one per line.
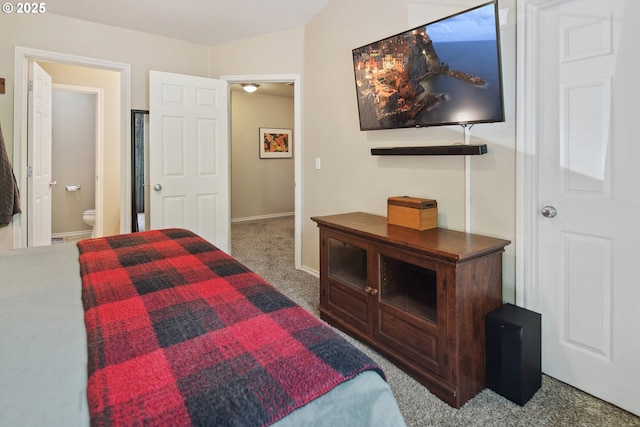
(267, 247)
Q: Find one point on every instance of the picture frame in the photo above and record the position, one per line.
(275, 143)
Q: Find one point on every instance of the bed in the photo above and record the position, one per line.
(78, 348)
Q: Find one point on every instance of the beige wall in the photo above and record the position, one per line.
(73, 157)
(259, 187)
(277, 53)
(71, 36)
(351, 179)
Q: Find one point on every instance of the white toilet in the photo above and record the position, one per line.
(89, 218)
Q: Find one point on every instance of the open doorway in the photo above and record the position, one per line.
(262, 178)
(115, 182)
(76, 128)
(292, 81)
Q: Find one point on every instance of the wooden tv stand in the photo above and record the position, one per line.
(418, 297)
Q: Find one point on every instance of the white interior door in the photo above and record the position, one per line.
(39, 157)
(588, 197)
(189, 155)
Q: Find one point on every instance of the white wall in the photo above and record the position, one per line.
(259, 187)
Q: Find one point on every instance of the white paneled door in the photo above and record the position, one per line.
(189, 155)
(39, 157)
(589, 172)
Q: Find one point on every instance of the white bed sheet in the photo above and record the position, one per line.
(43, 350)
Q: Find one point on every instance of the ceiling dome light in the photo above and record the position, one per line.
(250, 87)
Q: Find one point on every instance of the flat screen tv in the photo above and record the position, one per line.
(446, 72)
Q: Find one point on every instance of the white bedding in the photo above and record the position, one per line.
(43, 353)
(43, 350)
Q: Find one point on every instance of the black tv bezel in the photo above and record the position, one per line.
(432, 124)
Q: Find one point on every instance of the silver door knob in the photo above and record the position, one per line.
(157, 187)
(53, 184)
(548, 212)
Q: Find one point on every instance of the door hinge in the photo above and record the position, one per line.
(30, 85)
(29, 172)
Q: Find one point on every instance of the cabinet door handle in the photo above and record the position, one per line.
(371, 290)
(374, 291)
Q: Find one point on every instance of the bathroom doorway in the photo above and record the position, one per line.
(113, 196)
(75, 122)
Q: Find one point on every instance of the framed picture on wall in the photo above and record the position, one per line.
(275, 143)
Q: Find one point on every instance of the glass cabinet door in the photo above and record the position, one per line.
(408, 318)
(348, 263)
(410, 287)
(345, 291)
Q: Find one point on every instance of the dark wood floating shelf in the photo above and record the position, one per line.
(434, 150)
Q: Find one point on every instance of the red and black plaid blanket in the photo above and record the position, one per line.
(180, 333)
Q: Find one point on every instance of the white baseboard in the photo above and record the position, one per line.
(70, 234)
(310, 271)
(252, 218)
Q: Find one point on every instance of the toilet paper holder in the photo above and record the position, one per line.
(72, 187)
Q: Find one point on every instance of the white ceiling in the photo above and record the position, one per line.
(207, 22)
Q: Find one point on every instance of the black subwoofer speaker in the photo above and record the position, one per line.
(513, 352)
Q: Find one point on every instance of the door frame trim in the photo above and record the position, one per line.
(20, 143)
(528, 90)
(297, 137)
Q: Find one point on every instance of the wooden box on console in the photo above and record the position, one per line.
(412, 212)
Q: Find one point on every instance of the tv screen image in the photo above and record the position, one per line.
(443, 73)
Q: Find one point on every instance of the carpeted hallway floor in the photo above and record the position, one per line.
(267, 247)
